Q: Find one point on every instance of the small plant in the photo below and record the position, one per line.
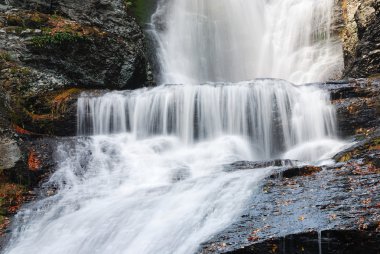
(127, 4)
(55, 17)
(59, 38)
(14, 20)
(5, 56)
(19, 71)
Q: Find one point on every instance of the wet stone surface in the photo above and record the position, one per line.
(296, 202)
(357, 103)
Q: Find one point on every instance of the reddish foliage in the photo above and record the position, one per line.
(12, 196)
(34, 162)
(21, 131)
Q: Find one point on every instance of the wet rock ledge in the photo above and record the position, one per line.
(357, 102)
(312, 209)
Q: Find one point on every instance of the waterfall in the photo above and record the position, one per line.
(146, 173)
(273, 114)
(234, 40)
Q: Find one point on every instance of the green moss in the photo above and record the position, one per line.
(60, 38)
(46, 30)
(15, 20)
(27, 19)
(5, 56)
(20, 71)
(55, 16)
(142, 9)
(127, 3)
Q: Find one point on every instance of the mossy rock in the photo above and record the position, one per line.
(37, 102)
(27, 19)
(57, 39)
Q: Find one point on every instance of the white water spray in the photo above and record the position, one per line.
(234, 40)
(158, 184)
(122, 195)
(151, 178)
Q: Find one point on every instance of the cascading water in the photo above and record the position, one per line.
(273, 114)
(234, 40)
(146, 174)
(157, 184)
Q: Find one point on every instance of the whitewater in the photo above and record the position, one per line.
(146, 172)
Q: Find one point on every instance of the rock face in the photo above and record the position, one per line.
(361, 37)
(46, 59)
(357, 103)
(311, 209)
(37, 102)
(87, 54)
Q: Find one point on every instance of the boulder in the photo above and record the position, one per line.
(10, 153)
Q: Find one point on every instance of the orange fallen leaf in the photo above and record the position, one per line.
(34, 162)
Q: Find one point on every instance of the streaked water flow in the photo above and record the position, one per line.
(145, 174)
(234, 40)
(273, 114)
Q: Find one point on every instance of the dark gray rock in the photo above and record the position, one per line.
(244, 165)
(365, 60)
(357, 103)
(47, 60)
(96, 63)
(37, 102)
(358, 106)
(285, 215)
(329, 241)
(115, 58)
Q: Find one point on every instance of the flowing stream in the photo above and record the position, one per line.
(146, 173)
